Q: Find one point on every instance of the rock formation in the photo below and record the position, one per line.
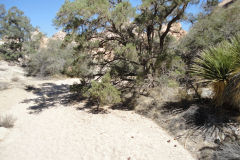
(177, 31)
(60, 35)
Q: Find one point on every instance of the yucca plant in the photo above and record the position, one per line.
(231, 94)
(217, 65)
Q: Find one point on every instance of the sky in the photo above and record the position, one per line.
(42, 12)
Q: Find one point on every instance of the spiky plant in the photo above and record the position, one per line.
(217, 65)
(231, 94)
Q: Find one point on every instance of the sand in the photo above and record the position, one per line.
(49, 128)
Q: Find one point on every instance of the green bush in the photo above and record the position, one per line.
(7, 121)
(103, 93)
(217, 65)
(50, 61)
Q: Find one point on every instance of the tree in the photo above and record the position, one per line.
(15, 30)
(132, 41)
(2, 15)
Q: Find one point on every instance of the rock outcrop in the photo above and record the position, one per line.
(177, 31)
(44, 39)
(59, 35)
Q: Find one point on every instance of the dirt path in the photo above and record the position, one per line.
(49, 127)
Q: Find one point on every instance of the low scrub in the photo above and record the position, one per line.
(100, 92)
(7, 121)
(4, 85)
(53, 60)
(103, 93)
(15, 79)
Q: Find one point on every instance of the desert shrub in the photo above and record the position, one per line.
(4, 85)
(15, 79)
(7, 121)
(35, 42)
(217, 65)
(103, 92)
(51, 60)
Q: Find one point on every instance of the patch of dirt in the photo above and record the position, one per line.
(53, 124)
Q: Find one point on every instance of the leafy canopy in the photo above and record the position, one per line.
(15, 29)
(113, 36)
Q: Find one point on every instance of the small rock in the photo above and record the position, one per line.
(168, 141)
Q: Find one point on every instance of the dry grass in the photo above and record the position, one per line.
(3, 86)
(15, 79)
(3, 69)
(7, 121)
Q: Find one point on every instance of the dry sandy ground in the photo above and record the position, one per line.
(49, 128)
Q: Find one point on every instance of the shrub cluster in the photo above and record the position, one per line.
(217, 66)
(51, 60)
(7, 121)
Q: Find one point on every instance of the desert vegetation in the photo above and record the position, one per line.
(128, 58)
(50, 61)
(7, 121)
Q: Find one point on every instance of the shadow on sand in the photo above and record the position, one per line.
(50, 95)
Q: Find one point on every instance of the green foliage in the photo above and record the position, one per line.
(81, 66)
(51, 60)
(15, 29)
(112, 36)
(33, 45)
(217, 65)
(122, 13)
(103, 93)
(211, 29)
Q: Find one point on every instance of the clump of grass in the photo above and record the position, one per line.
(3, 69)
(7, 121)
(15, 79)
(3, 86)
